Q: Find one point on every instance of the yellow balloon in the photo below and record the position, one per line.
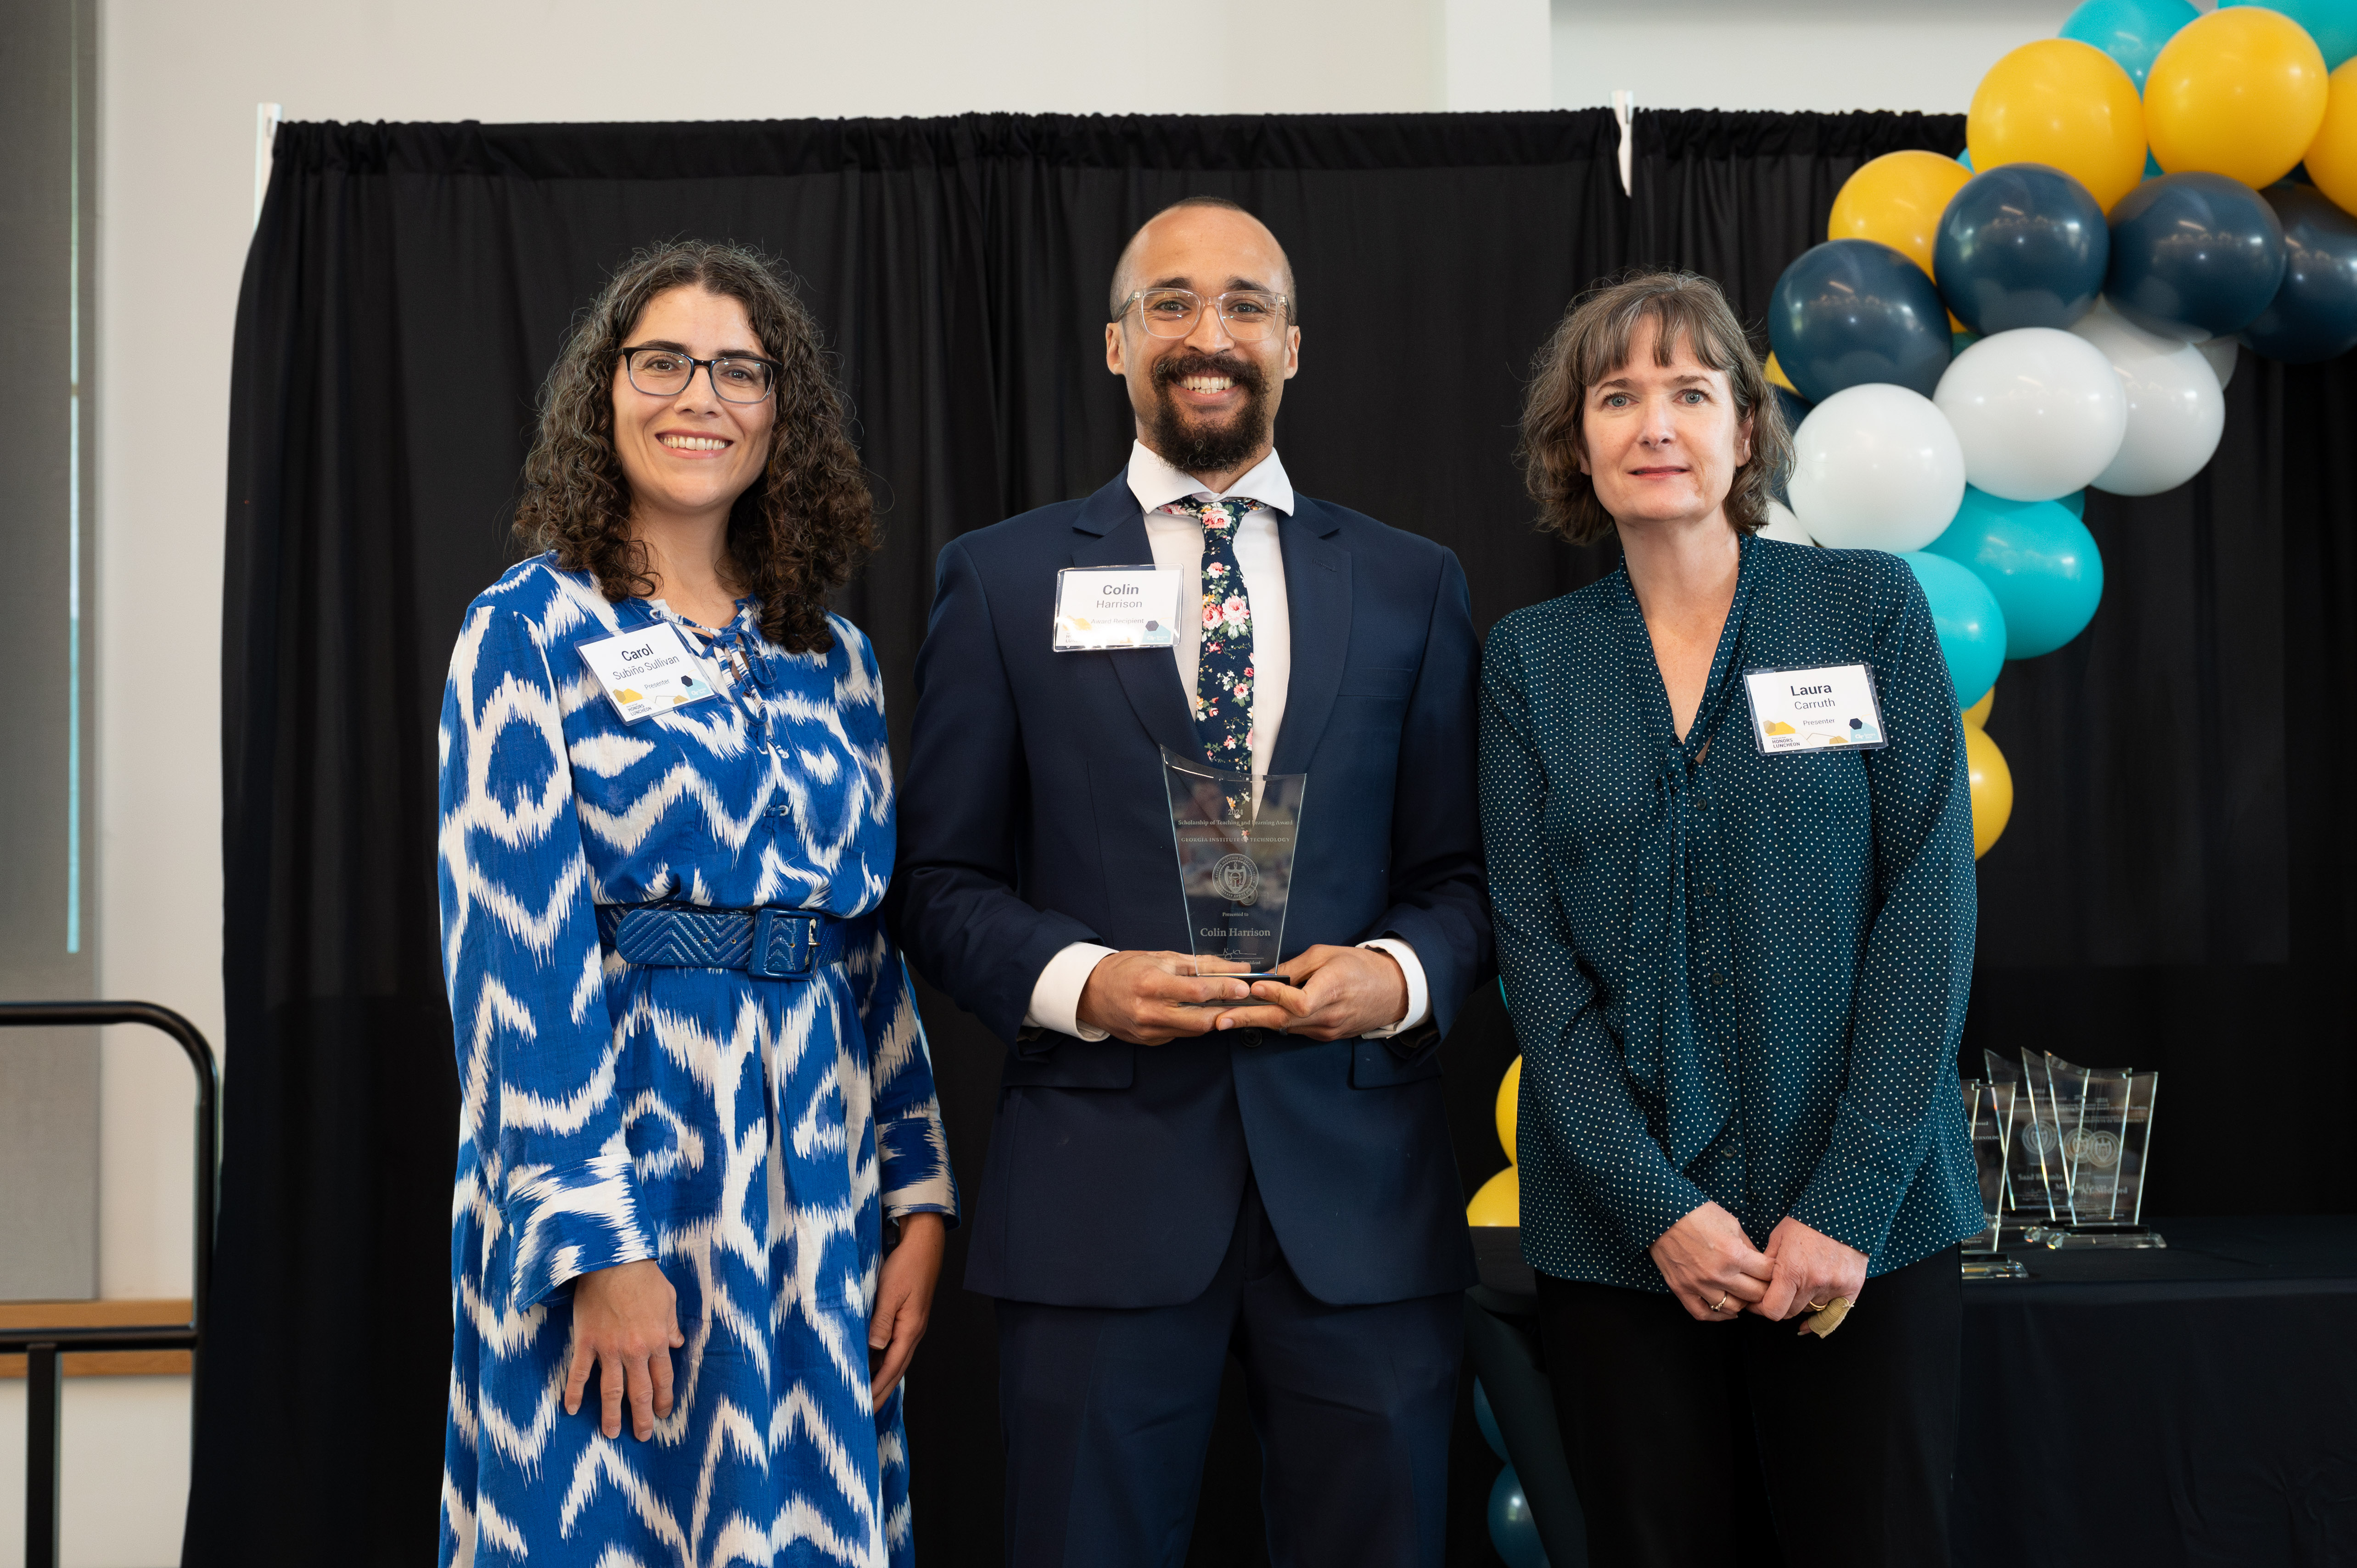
(1510, 1088)
(2240, 92)
(1978, 714)
(1897, 199)
(1499, 1201)
(1992, 783)
(2332, 157)
(1776, 376)
(2064, 103)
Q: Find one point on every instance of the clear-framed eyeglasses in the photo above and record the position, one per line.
(1250, 314)
(666, 372)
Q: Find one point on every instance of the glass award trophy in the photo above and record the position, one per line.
(1988, 1118)
(2081, 1137)
(1235, 838)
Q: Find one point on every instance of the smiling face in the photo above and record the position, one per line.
(1662, 442)
(1206, 401)
(689, 457)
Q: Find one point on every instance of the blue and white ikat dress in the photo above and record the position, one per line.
(748, 1135)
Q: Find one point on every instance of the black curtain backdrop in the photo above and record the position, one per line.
(2174, 891)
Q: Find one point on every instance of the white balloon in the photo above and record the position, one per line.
(1876, 467)
(2036, 411)
(1782, 524)
(2176, 410)
(2221, 353)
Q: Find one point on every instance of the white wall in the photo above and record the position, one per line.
(179, 83)
(1789, 54)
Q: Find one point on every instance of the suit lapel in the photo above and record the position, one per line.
(1318, 594)
(1112, 532)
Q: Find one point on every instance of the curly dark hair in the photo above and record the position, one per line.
(1590, 343)
(795, 535)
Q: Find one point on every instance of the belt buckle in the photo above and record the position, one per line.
(797, 955)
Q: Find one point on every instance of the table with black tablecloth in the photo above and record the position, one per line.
(2195, 1404)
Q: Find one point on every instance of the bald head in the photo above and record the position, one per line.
(1207, 243)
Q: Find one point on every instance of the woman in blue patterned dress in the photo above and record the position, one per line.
(695, 1091)
(1729, 842)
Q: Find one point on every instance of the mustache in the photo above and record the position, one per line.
(1179, 367)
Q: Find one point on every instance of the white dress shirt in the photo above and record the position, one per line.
(1177, 544)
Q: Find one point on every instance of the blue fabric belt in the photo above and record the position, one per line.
(769, 944)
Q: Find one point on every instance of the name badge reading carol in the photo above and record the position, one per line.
(645, 671)
(1815, 710)
(1116, 607)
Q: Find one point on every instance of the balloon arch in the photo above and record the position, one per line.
(1982, 339)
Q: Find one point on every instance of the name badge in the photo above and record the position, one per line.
(1116, 607)
(645, 671)
(1815, 710)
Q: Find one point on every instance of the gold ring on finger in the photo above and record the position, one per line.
(1720, 1305)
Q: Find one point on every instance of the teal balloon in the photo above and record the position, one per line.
(1971, 626)
(2076, 503)
(2130, 31)
(1487, 1420)
(2332, 23)
(1965, 158)
(1512, 1530)
(2039, 561)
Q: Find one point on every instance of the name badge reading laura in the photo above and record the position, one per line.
(1815, 710)
(645, 671)
(1116, 607)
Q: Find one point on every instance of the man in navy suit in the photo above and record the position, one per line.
(1183, 1167)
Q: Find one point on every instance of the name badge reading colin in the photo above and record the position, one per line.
(645, 671)
(1815, 710)
(1116, 607)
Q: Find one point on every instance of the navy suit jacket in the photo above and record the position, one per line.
(1034, 814)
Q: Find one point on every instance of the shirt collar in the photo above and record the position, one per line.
(1156, 483)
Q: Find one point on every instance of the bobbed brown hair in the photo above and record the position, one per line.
(1591, 342)
(797, 533)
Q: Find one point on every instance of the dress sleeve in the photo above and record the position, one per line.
(1909, 1012)
(536, 1048)
(912, 1151)
(1575, 1092)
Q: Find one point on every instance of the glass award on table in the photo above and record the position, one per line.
(2081, 1137)
(1235, 838)
(1988, 1121)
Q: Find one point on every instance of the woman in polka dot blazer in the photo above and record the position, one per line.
(1738, 952)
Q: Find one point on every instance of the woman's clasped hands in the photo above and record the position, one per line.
(1718, 1274)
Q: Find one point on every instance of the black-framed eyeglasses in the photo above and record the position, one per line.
(1250, 314)
(666, 372)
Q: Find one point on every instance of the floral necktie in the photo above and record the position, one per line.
(1223, 671)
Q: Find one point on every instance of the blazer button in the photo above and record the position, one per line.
(1248, 1039)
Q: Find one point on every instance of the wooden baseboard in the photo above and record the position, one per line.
(18, 1315)
(111, 1364)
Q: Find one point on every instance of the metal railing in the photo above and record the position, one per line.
(44, 1348)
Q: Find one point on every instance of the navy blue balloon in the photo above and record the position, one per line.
(2313, 316)
(1512, 1530)
(2194, 254)
(1851, 311)
(1487, 1420)
(2021, 245)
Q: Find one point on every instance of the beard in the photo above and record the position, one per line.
(1194, 444)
